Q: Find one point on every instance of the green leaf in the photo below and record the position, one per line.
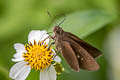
(83, 23)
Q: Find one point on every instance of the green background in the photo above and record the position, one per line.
(91, 20)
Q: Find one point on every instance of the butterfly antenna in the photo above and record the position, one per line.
(53, 19)
(62, 20)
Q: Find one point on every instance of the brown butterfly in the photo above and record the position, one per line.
(77, 53)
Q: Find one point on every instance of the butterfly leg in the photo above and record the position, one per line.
(57, 52)
(54, 56)
(54, 50)
(51, 45)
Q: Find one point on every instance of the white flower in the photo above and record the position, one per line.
(36, 55)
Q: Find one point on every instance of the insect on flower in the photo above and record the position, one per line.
(77, 53)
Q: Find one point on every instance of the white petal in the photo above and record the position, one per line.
(34, 35)
(17, 59)
(52, 73)
(48, 74)
(37, 35)
(18, 55)
(19, 48)
(43, 33)
(20, 71)
(57, 59)
(44, 37)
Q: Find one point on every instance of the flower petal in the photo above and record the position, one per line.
(34, 35)
(20, 71)
(48, 74)
(57, 59)
(44, 37)
(20, 48)
(37, 35)
(17, 59)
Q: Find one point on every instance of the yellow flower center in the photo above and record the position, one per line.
(38, 56)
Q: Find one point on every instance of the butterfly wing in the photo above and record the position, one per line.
(94, 52)
(69, 55)
(86, 61)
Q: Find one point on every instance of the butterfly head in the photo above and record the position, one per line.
(57, 30)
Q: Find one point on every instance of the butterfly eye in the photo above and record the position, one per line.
(58, 32)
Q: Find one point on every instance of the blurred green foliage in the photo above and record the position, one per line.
(91, 20)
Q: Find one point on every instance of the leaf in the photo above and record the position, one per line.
(83, 23)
